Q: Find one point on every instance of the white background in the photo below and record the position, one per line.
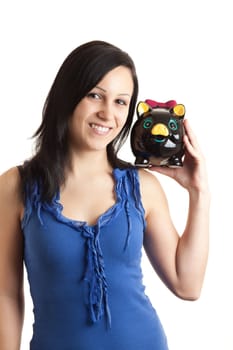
(183, 51)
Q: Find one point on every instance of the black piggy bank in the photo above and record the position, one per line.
(157, 135)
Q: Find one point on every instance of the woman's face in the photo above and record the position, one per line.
(101, 114)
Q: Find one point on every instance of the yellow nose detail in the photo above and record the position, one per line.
(160, 129)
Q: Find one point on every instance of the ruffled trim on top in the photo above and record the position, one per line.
(94, 275)
(128, 187)
(95, 278)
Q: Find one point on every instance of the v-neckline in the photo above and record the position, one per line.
(106, 215)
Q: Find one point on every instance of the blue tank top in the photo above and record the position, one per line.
(86, 281)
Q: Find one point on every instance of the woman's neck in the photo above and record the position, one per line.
(88, 163)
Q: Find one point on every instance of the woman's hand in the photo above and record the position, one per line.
(192, 175)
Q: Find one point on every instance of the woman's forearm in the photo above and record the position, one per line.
(192, 251)
(11, 322)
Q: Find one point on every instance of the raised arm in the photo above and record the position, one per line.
(179, 258)
(11, 262)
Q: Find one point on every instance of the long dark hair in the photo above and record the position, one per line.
(80, 72)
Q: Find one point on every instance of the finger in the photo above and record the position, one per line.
(190, 141)
(190, 133)
(192, 148)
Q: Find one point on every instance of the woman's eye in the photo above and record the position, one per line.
(121, 102)
(93, 95)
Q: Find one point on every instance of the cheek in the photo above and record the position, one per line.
(122, 118)
(75, 128)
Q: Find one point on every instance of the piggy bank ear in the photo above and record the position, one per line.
(179, 110)
(142, 108)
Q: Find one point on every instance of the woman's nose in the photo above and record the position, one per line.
(105, 111)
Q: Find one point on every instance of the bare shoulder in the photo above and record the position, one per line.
(149, 183)
(153, 195)
(147, 178)
(10, 180)
(10, 192)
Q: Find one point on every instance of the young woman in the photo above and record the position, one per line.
(78, 217)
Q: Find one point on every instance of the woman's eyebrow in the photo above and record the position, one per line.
(121, 94)
(100, 88)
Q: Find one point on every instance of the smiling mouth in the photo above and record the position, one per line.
(100, 129)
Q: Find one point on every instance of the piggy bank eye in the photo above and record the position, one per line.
(147, 123)
(173, 124)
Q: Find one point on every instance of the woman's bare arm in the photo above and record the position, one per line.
(11, 261)
(180, 259)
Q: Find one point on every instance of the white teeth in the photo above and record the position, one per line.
(99, 128)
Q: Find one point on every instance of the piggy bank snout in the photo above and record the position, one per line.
(160, 130)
